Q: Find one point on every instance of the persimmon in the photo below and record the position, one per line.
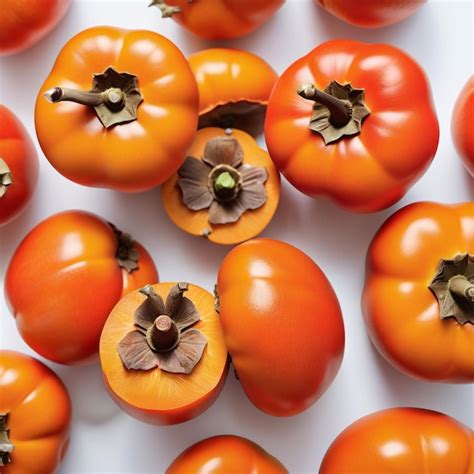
(418, 299)
(402, 441)
(226, 454)
(64, 279)
(219, 19)
(118, 110)
(461, 125)
(229, 95)
(344, 122)
(227, 190)
(371, 13)
(35, 416)
(18, 166)
(282, 325)
(163, 354)
(23, 24)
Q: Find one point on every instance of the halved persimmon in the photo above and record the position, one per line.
(163, 354)
(227, 190)
(234, 88)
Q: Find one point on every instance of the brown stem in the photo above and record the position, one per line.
(167, 11)
(113, 97)
(6, 178)
(340, 113)
(6, 447)
(163, 336)
(462, 288)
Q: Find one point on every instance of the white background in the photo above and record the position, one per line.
(105, 440)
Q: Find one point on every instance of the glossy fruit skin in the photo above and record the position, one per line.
(401, 313)
(23, 24)
(251, 223)
(371, 13)
(39, 414)
(400, 441)
(62, 282)
(461, 125)
(226, 77)
(135, 391)
(134, 156)
(370, 171)
(282, 325)
(224, 19)
(224, 455)
(18, 152)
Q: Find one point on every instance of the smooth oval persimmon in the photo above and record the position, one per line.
(418, 298)
(199, 200)
(64, 279)
(224, 455)
(354, 122)
(35, 416)
(229, 95)
(461, 125)
(122, 109)
(282, 325)
(402, 441)
(18, 166)
(23, 24)
(163, 354)
(371, 13)
(219, 19)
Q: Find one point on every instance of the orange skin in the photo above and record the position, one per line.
(401, 313)
(39, 414)
(131, 157)
(224, 19)
(371, 13)
(24, 23)
(401, 441)
(461, 125)
(224, 455)
(64, 280)
(251, 222)
(366, 172)
(282, 325)
(155, 396)
(227, 76)
(18, 152)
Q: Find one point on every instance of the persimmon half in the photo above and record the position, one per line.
(229, 94)
(227, 190)
(163, 354)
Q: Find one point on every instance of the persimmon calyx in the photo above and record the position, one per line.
(127, 254)
(6, 446)
(338, 111)
(6, 178)
(221, 182)
(114, 96)
(167, 11)
(453, 287)
(163, 336)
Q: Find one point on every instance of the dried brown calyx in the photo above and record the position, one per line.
(6, 178)
(6, 446)
(221, 182)
(338, 110)
(166, 10)
(163, 336)
(127, 255)
(453, 286)
(114, 96)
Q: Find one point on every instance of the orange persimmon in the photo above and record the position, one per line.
(121, 109)
(192, 202)
(163, 354)
(418, 299)
(402, 441)
(35, 416)
(64, 279)
(219, 19)
(234, 87)
(226, 454)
